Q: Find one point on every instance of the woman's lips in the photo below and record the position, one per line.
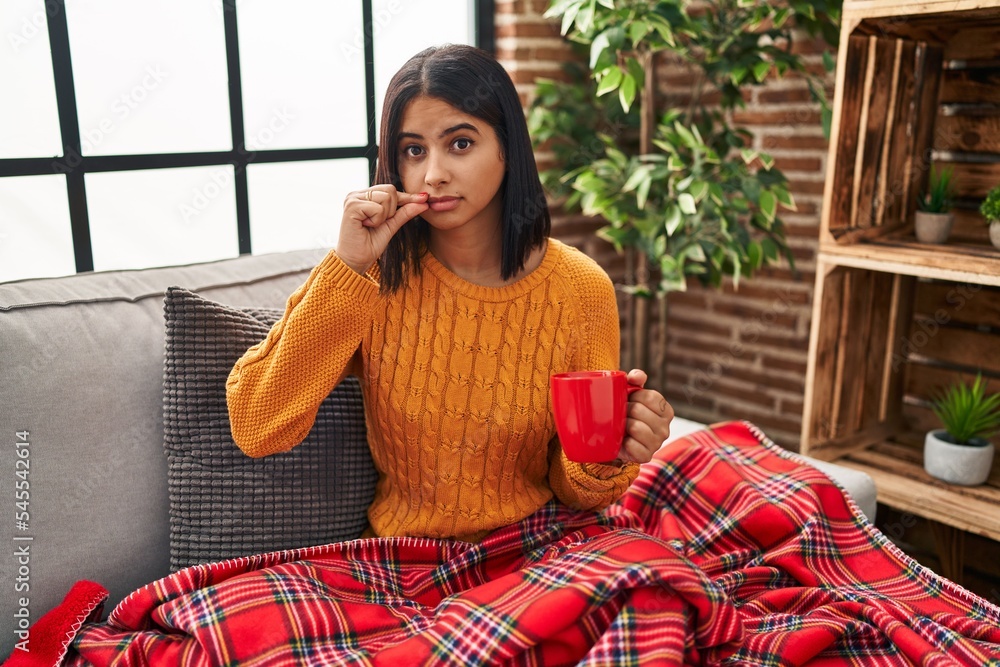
(443, 203)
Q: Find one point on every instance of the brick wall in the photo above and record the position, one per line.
(731, 353)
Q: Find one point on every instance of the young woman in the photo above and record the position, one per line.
(447, 298)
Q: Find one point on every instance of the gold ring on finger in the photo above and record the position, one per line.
(368, 195)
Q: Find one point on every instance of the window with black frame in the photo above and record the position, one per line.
(160, 133)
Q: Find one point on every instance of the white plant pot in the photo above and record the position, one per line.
(967, 465)
(995, 234)
(932, 227)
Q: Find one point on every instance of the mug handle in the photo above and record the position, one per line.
(631, 389)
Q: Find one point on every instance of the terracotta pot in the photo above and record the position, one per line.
(967, 465)
(932, 227)
(995, 234)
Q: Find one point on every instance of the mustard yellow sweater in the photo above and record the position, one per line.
(456, 387)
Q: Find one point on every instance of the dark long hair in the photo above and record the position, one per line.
(472, 81)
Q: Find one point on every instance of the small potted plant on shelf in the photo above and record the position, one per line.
(991, 211)
(960, 453)
(934, 217)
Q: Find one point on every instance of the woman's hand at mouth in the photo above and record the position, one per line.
(371, 218)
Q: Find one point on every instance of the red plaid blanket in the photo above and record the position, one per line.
(726, 550)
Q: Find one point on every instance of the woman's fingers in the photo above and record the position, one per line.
(648, 423)
(405, 213)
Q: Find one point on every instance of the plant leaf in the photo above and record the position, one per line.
(768, 205)
(600, 43)
(760, 70)
(673, 219)
(610, 81)
(626, 93)
(687, 203)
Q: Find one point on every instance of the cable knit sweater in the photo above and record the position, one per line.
(456, 387)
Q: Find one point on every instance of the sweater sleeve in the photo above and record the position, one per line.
(275, 389)
(592, 486)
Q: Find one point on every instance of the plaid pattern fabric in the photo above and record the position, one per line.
(725, 551)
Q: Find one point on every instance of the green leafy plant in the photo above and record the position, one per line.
(990, 208)
(688, 194)
(940, 194)
(967, 412)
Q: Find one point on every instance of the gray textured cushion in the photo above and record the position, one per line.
(223, 503)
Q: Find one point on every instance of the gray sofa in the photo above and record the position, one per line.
(89, 380)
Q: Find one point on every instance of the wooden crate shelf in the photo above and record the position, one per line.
(902, 483)
(918, 84)
(958, 262)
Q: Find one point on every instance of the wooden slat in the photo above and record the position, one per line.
(959, 263)
(958, 303)
(913, 9)
(960, 347)
(972, 85)
(833, 450)
(924, 381)
(853, 104)
(974, 180)
(883, 67)
(876, 330)
(901, 147)
(817, 420)
(928, 77)
(976, 41)
(967, 133)
(970, 227)
(893, 374)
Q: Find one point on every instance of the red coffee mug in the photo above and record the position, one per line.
(589, 409)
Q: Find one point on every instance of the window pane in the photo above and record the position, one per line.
(150, 76)
(402, 29)
(297, 205)
(29, 120)
(299, 61)
(161, 217)
(35, 235)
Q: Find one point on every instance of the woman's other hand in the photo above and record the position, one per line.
(371, 218)
(648, 422)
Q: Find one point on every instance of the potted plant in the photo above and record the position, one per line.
(960, 453)
(934, 217)
(683, 190)
(991, 211)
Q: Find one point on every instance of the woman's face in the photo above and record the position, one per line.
(456, 159)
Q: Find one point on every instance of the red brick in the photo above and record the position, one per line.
(792, 406)
(543, 29)
(768, 381)
(532, 74)
(785, 364)
(679, 323)
(784, 273)
(794, 141)
(693, 298)
(792, 118)
(806, 187)
(752, 312)
(552, 53)
(810, 164)
(520, 53)
(802, 231)
(783, 342)
(803, 45)
(745, 393)
(773, 295)
(784, 95)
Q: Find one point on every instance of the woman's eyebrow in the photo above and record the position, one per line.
(450, 130)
